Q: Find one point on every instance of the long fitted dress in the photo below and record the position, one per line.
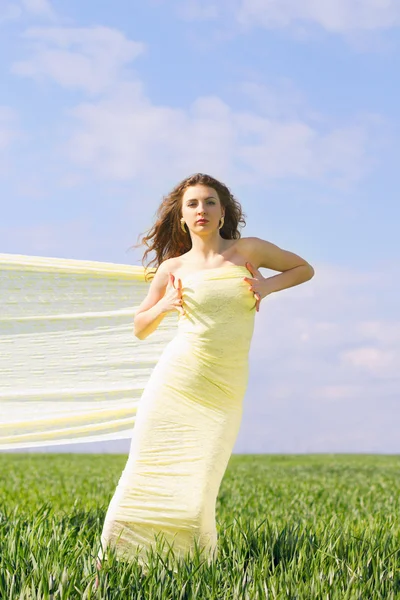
(187, 422)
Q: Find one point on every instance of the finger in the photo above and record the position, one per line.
(251, 268)
(172, 279)
(180, 309)
(180, 285)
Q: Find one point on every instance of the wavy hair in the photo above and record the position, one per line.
(166, 237)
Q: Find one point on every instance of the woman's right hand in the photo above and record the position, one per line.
(172, 299)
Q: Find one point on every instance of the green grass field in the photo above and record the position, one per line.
(300, 527)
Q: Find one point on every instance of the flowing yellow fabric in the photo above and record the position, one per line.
(71, 369)
(186, 424)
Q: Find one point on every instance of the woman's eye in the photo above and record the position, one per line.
(193, 203)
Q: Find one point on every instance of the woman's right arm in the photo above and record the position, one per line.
(154, 307)
(151, 311)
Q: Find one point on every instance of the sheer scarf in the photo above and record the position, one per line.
(71, 369)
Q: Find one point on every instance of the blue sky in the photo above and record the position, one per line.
(105, 107)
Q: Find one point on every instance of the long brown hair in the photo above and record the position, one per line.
(168, 239)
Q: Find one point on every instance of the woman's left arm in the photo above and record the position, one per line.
(294, 269)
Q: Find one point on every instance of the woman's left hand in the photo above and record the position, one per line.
(258, 284)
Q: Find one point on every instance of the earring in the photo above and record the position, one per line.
(183, 225)
(221, 222)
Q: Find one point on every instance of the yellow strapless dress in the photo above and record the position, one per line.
(187, 422)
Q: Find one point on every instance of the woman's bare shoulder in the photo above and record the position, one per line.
(177, 265)
(168, 265)
(244, 247)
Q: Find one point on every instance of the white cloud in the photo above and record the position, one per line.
(90, 59)
(383, 332)
(358, 21)
(14, 10)
(338, 16)
(282, 101)
(194, 10)
(123, 134)
(337, 392)
(296, 148)
(379, 361)
(39, 7)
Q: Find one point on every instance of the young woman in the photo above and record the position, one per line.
(190, 411)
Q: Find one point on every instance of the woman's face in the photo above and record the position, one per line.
(201, 201)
